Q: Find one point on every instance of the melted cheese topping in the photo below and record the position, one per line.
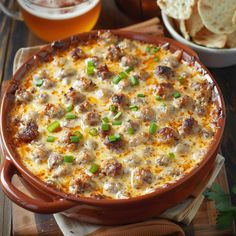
(130, 159)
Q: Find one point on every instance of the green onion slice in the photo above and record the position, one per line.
(105, 127)
(133, 107)
(51, 139)
(53, 127)
(68, 159)
(69, 108)
(156, 59)
(171, 155)
(93, 132)
(119, 77)
(158, 98)
(105, 119)
(118, 115)
(134, 81)
(130, 130)
(114, 138)
(113, 108)
(90, 68)
(152, 128)
(117, 122)
(70, 116)
(129, 69)
(141, 95)
(79, 134)
(176, 95)
(38, 82)
(94, 168)
(74, 139)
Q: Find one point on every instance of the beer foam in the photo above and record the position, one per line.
(57, 10)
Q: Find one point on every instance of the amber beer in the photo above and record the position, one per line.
(51, 20)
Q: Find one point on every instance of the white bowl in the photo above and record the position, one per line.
(211, 57)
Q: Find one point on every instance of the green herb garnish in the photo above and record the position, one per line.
(53, 127)
(141, 95)
(114, 138)
(134, 81)
(93, 132)
(69, 108)
(79, 134)
(158, 98)
(130, 130)
(70, 116)
(90, 68)
(94, 168)
(105, 127)
(176, 95)
(74, 139)
(113, 108)
(51, 139)
(68, 159)
(133, 107)
(118, 115)
(156, 59)
(129, 69)
(105, 119)
(119, 77)
(38, 82)
(171, 155)
(152, 128)
(117, 122)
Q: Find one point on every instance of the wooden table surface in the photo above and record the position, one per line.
(15, 35)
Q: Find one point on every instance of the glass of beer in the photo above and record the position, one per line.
(56, 19)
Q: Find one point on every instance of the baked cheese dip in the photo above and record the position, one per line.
(113, 118)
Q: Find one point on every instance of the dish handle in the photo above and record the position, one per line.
(36, 205)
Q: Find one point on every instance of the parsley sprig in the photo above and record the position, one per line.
(226, 211)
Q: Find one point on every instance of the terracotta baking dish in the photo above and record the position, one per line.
(107, 212)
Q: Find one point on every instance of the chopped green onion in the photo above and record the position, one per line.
(113, 138)
(113, 108)
(141, 95)
(133, 107)
(38, 82)
(68, 159)
(105, 119)
(156, 59)
(90, 68)
(158, 98)
(94, 168)
(130, 130)
(119, 77)
(176, 95)
(70, 116)
(155, 49)
(53, 126)
(69, 108)
(152, 128)
(93, 132)
(134, 81)
(51, 139)
(118, 122)
(118, 115)
(105, 126)
(171, 155)
(78, 133)
(74, 139)
(129, 69)
(148, 49)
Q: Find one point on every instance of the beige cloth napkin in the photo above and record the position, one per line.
(184, 212)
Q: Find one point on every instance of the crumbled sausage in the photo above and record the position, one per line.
(173, 60)
(108, 37)
(143, 75)
(117, 145)
(77, 54)
(112, 186)
(74, 96)
(28, 132)
(138, 139)
(93, 118)
(54, 160)
(85, 107)
(190, 126)
(22, 95)
(91, 144)
(114, 53)
(82, 184)
(85, 156)
(39, 153)
(86, 84)
(163, 160)
(111, 167)
(148, 114)
(133, 161)
(207, 132)
(201, 109)
(42, 98)
(165, 71)
(67, 72)
(48, 83)
(61, 170)
(129, 61)
(141, 177)
(103, 72)
(65, 140)
(182, 148)
(120, 99)
(54, 111)
(184, 102)
(168, 135)
(164, 90)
